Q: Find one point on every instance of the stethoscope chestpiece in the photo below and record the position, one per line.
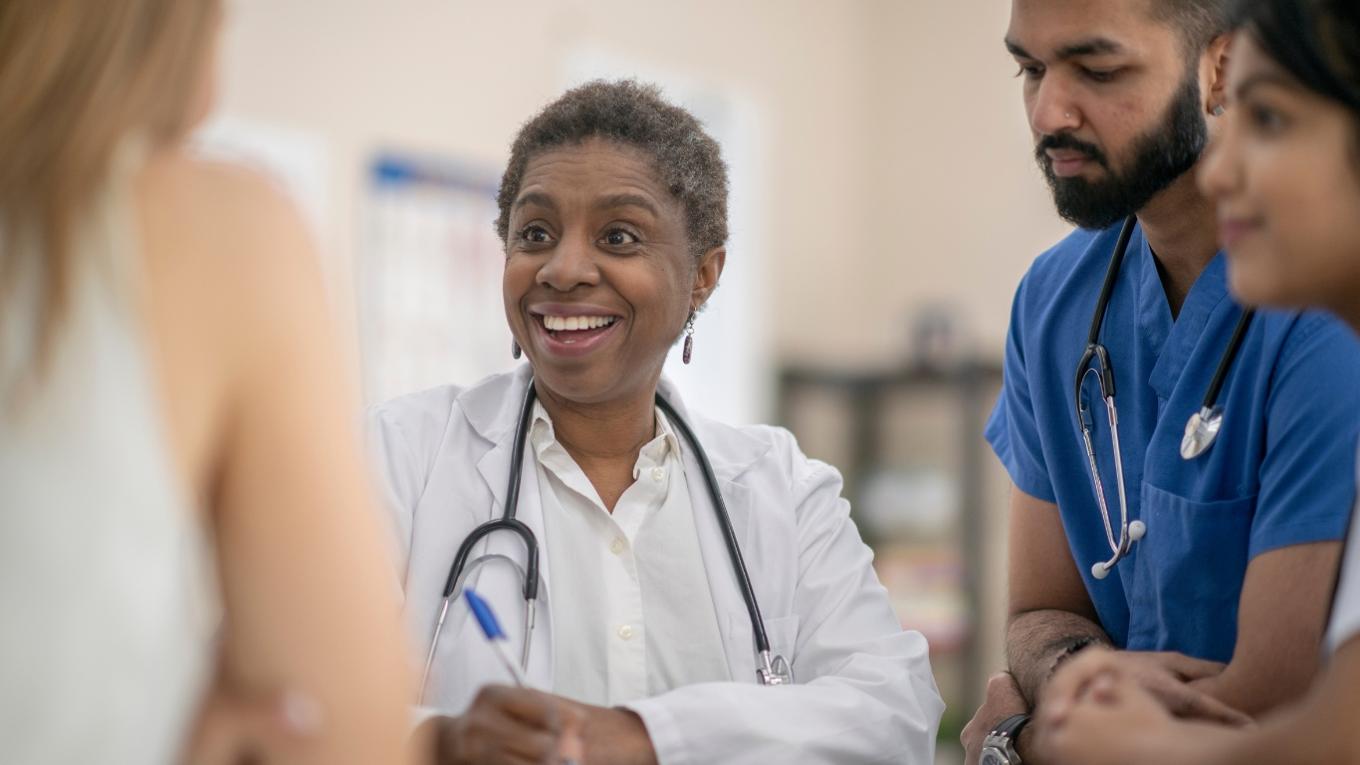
(774, 671)
(1200, 431)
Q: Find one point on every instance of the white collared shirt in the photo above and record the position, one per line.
(632, 613)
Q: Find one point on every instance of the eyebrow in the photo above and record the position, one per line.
(631, 200)
(1095, 46)
(536, 198)
(1262, 79)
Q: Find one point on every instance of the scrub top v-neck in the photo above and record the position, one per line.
(1276, 476)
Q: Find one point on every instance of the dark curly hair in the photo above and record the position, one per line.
(688, 160)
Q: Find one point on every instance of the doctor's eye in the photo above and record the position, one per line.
(619, 237)
(534, 234)
(1030, 71)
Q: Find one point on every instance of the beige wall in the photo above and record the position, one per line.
(897, 160)
(957, 205)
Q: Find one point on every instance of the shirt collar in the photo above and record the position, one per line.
(654, 453)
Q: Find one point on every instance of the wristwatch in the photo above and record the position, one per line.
(999, 746)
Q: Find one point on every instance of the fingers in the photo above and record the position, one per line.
(1092, 734)
(571, 746)
(1004, 691)
(1070, 684)
(1003, 699)
(1103, 689)
(1097, 673)
(1185, 702)
(507, 726)
(527, 706)
(1188, 668)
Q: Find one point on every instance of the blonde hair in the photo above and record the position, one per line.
(76, 79)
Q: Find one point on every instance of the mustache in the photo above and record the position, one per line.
(1071, 142)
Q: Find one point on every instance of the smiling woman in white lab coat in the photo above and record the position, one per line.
(613, 214)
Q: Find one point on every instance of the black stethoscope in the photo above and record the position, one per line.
(1200, 431)
(770, 670)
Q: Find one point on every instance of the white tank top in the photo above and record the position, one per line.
(108, 607)
(1345, 623)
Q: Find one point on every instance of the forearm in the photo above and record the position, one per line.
(1317, 731)
(1036, 639)
(1292, 738)
(819, 722)
(1281, 618)
(1254, 690)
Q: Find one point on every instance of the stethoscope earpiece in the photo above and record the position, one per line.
(1137, 530)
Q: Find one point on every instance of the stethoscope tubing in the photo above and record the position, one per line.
(1104, 370)
(748, 594)
(769, 671)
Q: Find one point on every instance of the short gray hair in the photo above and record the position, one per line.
(687, 159)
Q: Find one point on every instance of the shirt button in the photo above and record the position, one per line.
(617, 546)
(658, 474)
(626, 632)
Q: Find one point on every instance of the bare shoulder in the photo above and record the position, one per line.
(226, 233)
(230, 264)
(216, 209)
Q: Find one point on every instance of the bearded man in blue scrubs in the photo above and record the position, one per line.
(1220, 607)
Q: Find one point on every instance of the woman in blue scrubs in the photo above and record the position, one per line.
(1286, 176)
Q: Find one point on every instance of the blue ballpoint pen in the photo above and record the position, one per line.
(495, 636)
(497, 639)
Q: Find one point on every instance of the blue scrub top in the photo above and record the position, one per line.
(1278, 475)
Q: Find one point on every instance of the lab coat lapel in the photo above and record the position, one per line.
(730, 457)
(722, 578)
(493, 410)
(497, 582)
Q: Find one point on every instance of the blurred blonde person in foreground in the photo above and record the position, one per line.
(190, 568)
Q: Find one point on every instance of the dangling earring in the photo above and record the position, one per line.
(689, 339)
(515, 350)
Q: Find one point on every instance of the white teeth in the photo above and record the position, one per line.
(576, 323)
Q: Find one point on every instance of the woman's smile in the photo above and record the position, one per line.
(573, 330)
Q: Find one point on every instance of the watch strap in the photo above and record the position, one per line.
(1011, 726)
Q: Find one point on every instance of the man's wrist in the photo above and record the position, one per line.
(1022, 744)
(1072, 647)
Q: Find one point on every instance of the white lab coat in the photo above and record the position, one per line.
(864, 691)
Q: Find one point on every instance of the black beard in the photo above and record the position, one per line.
(1159, 158)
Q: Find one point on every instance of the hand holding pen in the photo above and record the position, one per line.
(512, 725)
